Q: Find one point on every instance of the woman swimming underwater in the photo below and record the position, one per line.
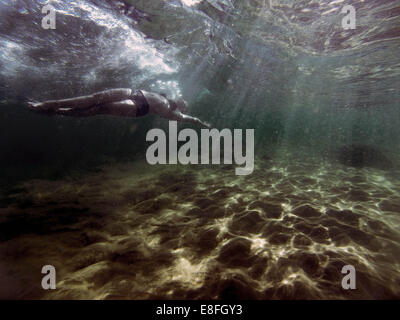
(119, 102)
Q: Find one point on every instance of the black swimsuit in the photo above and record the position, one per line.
(140, 101)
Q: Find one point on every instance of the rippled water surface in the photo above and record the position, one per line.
(325, 192)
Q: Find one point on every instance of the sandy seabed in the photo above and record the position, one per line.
(134, 231)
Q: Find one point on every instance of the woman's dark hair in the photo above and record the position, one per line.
(173, 104)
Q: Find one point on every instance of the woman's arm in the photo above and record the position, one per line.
(186, 118)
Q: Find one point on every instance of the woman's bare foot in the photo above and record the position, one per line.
(35, 106)
(39, 107)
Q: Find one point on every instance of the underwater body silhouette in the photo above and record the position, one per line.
(119, 102)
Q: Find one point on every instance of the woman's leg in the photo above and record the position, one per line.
(125, 108)
(83, 102)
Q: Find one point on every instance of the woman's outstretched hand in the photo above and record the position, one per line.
(206, 124)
